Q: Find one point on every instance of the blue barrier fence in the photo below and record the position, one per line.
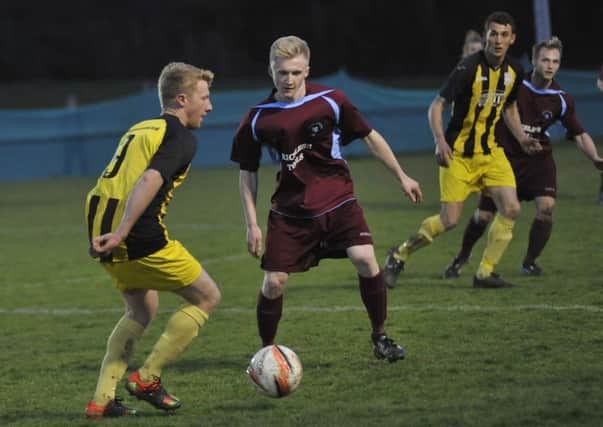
(80, 141)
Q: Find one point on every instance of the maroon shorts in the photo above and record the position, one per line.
(535, 176)
(297, 244)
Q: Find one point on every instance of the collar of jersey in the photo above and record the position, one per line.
(530, 86)
(297, 103)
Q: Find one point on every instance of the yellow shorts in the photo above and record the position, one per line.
(466, 175)
(170, 268)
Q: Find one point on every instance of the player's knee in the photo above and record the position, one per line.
(366, 265)
(144, 317)
(545, 212)
(210, 297)
(450, 221)
(483, 217)
(450, 218)
(274, 284)
(203, 293)
(213, 297)
(511, 210)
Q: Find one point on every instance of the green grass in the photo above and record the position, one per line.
(527, 356)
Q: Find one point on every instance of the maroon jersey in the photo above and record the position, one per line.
(307, 135)
(538, 110)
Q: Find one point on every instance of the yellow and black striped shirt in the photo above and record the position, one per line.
(479, 93)
(163, 144)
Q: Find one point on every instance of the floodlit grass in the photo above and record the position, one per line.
(528, 356)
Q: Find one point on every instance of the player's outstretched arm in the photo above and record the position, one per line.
(248, 189)
(443, 152)
(381, 150)
(141, 196)
(586, 144)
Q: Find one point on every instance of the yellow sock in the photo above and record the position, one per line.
(430, 228)
(120, 347)
(180, 330)
(485, 269)
(499, 236)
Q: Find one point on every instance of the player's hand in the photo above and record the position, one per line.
(598, 164)
(412, 190)
(104, 244)
(530, 145)
(254, 241)
(443, 153)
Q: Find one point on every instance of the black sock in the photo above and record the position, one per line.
(268, 312)
(472, 234)
(540, 231)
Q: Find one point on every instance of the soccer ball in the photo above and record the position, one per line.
(275, 370)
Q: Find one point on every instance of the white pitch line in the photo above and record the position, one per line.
(314, 309)
(26, 285)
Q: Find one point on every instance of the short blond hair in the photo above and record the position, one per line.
(178, 77)
(552, 43)
(471, 37)
(288, 47)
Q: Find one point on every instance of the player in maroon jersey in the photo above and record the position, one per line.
(314, 212)
(541, 103)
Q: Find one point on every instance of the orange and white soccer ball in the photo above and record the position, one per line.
(276, 370)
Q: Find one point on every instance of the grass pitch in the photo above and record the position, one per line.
(530, 355)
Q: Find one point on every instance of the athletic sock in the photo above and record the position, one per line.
(179, 332)
(430, 228)
(268, 312)
(471, 235)
(540, 231)
(374, 297)
(120, 346)
(499, 236)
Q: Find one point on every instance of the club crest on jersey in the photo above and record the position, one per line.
(508, 78)
(316, 128)
(548, 115)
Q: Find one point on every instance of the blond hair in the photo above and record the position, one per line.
(552, 43)
(471, 37)
(177, 78)
(288, 47)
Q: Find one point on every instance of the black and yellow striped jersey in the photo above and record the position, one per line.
(163, 144)
(479, 93)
